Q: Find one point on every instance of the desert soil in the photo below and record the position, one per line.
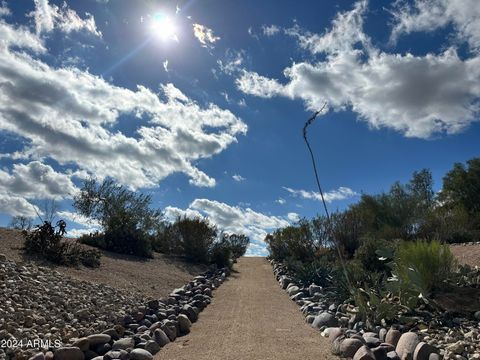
(250, 317)
(468, 254)
(150, 278)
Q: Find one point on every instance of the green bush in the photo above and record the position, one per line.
(423, 266)
(47, 241)
(316, 272)
(368, 257)
(129, 224)
(221, 254)
(237, 243)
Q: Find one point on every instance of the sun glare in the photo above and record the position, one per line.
(164, 27)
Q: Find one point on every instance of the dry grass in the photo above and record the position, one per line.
(150, 277)
(468, 254)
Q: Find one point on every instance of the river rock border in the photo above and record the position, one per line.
(141, 333)
(346, 334)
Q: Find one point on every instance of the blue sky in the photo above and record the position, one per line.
(201, 103)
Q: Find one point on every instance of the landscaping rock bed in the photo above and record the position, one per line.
(46, 315)
(428, 338)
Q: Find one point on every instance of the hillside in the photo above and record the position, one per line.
(150, 278)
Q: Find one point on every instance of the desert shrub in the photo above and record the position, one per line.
(47, 241)
(367, 254)
(96, 239)
(129, 224)
(316, 272)
(423, 266)
(221, 254)
(192, 238)
(237, 243)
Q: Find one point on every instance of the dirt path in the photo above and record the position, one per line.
(250, 318)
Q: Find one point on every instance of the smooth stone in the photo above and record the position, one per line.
(68, 353)
(382, 334)
(393, 336)
(140, 354)
(423, 351)
(160, 337)
(406, 345)
(372, 342)
(364, 353)
(184, 323)
(89, 354)
(333, 333)
(293, 290)
(349, 347)
(152, 347)
(380, 353)
(325, 319)
(38, 356)
(98, 339)
(392, 355)
(82, 343)
(123, 344)
(434, 357)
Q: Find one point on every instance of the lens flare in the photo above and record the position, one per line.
(164, 27)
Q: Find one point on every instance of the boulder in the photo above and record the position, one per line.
(123, 344)
(392, 355)
(423, 351)
(382, 333)
(380, 352)
(406, 345)
(325, 319)
(184, 324)
(152, 347)
(160, 337)
(314, 289)
(293, 290)
(434, 357)
(82, 343)
(349, 347)
(392, 337)
(140, 354)
(364, 353)
(68, 353)
(333, 333)
(98, 339)
(371, 341)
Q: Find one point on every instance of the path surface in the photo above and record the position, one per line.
(250, 318)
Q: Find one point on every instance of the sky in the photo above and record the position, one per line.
(201, 104)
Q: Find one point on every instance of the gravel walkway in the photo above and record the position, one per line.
(250, 318)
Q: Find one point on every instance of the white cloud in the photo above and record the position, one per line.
(232, 62)
(293, 216)
(67, 115)
(231, 219)
(16, 205)
(430, 15)
(165, 65)
(4, 10)
(205, 35)
(418, 96)
(270, 30)
(79, 219)
(342, 193)
(36, 181)
(238, 178)
(281, 201)
(49, 17)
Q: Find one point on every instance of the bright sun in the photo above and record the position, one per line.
(164, 27)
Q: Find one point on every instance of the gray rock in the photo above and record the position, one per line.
(68, 353)
(406, 345)
(160, 337)
(371, 341)
(364, 353)
(393, 336)
(123, 344)
(382, 334)
(434, 357)
(140, 354)
(38, 356)
(423, 351)
(82, 343)
(333, 333)
(380, 353)
(325, 319)
(349, 347)
(293, 290)
(184, 323)
(392, 355)
(314, 289)
(152, 347)
(98, 339)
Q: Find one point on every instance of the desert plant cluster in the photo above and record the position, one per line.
(396, 266)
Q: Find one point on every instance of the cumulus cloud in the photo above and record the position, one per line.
(233, 219)
(205, 35)
(4, 10)
(36, 181)
(69, 115)
(49, 17)
(238, 178)
(430, 15)
(342, 193)
(270, 30)
(293, 216)
(17, 206)
(418, 96)
(79, 219)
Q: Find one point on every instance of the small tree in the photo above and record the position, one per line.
(21, 223)
(237, 243)
(128, 222)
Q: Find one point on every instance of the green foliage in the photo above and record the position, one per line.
(129, 224)
(316, 272)
(237, 243)
(47, 241)
(367, 254)
(423, 266)
(221, 254)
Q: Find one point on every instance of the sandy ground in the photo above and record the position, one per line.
(151, 277)
(468, 254)
(250, 318)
